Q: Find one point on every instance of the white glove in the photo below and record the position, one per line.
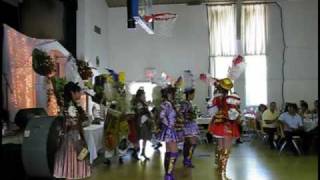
(233, 114)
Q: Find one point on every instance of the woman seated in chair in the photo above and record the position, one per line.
(261, 109)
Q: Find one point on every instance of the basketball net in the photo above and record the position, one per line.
(164, 23)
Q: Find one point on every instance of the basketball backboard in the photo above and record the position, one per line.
(137, 10)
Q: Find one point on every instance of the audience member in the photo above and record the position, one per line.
(285, 107)
(315, 110)
(304, 109)
(270, 122)
(311, 127)
(292, 123)
(301, 102)
(261, 109)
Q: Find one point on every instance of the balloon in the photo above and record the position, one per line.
(203, 77)
(188, 79)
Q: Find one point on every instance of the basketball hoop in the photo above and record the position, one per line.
(163, 23)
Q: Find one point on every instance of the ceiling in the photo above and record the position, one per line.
(120, 3)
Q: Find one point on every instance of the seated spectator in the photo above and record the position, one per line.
(292, 123)
(315, 110)
(311, 127)
(300, 104)
(270, 122)
(304, 109)
(261, 109)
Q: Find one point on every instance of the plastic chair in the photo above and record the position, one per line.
(248, 129)
(203, 136)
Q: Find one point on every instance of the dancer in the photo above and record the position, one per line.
(167, 132)
(115, 135)
(66, 164)
(143, 118)
(116, 126)
(191, 129)
(157, 99)
(224, 125)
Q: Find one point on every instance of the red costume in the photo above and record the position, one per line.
(225, 113)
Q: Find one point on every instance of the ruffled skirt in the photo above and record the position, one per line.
(191, 129)
(66, 163)
(224, 129)
(167, 134)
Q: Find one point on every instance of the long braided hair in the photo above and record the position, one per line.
(68, 89)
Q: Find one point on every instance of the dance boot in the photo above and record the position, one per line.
(170, 161)
(223, 159)
(144, 155)
(188, 153)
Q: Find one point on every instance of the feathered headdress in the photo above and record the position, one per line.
(238, 66)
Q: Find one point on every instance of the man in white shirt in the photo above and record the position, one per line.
(270, 122)
(292, 122)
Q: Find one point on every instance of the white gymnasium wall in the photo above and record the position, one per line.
(131, 51)
(90, 44)
(301, 66)
(188, 48)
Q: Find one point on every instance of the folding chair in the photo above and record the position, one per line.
(294, 141)
(265, 137)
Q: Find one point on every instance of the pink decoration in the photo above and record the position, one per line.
(150, 73)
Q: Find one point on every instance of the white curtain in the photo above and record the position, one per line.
(222, 29)
(253, 29)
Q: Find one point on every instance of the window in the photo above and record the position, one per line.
(147, 86)
(222, 28)
(253, 33)
(256, 84)
(219, 67)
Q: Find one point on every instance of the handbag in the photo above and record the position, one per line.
(82, 150)
(83, 154)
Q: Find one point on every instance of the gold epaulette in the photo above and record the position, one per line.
(218, 120)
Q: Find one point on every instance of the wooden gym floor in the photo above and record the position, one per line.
(249, 161)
